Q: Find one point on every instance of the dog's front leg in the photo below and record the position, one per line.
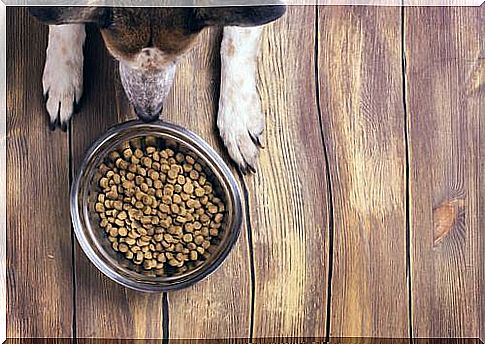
(63, 72)
(240, 119)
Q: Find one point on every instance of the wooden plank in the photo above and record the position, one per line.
(360, 85)
(288, 195)
(442, 49)
(39, 250)
(219, 306)
(104, 309)
(480, 77)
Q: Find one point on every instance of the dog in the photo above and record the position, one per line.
(148, 43)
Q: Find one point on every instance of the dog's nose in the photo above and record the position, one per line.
(148, 116)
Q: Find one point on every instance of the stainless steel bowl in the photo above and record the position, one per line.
(92, 237)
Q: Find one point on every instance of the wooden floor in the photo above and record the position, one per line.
(365, 218)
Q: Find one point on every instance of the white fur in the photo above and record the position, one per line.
(63, 72)
(240, 119)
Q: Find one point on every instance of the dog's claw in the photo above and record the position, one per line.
(260, 143)
(64, 126)
(52, 125)
(243, 169)
(256, 138)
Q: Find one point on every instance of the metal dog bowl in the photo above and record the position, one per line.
(92, 237)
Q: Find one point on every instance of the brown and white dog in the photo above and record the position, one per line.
(148, 42)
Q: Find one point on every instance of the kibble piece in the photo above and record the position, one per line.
(122, 215)
(181, 219)
(187, 238)
(118, 205)
(174, 208)
(204, 218)
(190, 159)
(212, 208)
(154, 175)
(123, 231)
(199, 192)
(104, 183)
(194, 175)
(202, 179)
(99, 208)
(199, 239)
(147, 162)
(193, 255)
(127, 153)
(181, 179)
(218, 218)
(130, 241)
(123, 248)
(172, 174)
(113, 232)
(179, 157)
(204, 231)
(138, 153)
(168, 238)
(157, 184)
(188, 188)
(176, 199)
(187, 168)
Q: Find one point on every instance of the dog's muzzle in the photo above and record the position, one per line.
(148, 117)
(147, 89)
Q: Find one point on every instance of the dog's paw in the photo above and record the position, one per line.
(63, 78)
(241, 123)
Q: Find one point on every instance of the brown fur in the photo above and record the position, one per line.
(129, 30)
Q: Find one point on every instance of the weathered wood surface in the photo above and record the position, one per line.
(442, 50)
(39, 251)
(480, 88)
(331, 81)
(360, 85)
(288, 196)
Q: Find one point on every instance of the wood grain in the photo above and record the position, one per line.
(288, 194)
(39, 251)
(442, 49)
(481, 209)
(219, 306)
(360, 85)
(105, 309)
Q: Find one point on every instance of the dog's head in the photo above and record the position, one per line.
(148, 41)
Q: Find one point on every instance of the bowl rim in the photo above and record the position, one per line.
(203, 146)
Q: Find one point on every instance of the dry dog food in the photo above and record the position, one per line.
(157, 207)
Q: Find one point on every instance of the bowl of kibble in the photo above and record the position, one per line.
(154, 207)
